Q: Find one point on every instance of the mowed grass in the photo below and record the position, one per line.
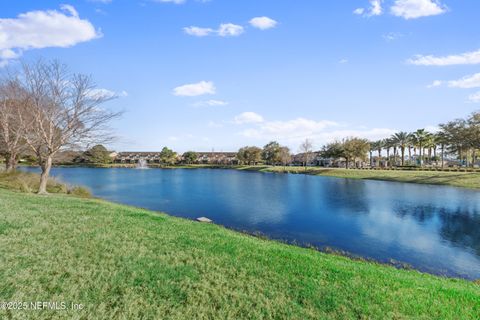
(122, 262)
(457, 179)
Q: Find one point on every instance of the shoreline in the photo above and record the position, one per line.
(462, 179)
(323, 249)
(199, 259)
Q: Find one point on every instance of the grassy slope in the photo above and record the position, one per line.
(457, 179)
(128, 263)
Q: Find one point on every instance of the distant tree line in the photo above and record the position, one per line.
(459, 139)
(45, 110)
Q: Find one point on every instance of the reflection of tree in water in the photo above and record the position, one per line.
(462, 228)
(459, 226)
(349, 194)
(420, 213)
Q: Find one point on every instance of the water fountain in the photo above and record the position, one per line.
(142, 164)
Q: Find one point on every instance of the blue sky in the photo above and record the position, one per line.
(303, 69)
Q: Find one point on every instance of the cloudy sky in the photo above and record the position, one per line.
(220, 74)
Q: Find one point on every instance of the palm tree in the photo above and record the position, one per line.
(402, 140)
(373, 147)
(376, 146)
(388, 144)
(430, 145)
(411, 144)
(421, 138)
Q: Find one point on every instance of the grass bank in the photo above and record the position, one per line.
(29, 182)
(457, 179)
(121, 262)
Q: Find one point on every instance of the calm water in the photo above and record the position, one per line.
(433, 228)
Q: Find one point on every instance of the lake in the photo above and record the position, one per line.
(435, 229)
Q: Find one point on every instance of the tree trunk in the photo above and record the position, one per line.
(421, 158)
(371, 159)
(403, 156)
(388, 157)
(474, 155)
(12, 163)
(394, 156)
(410, 154)
(8, 163)
(46, 166)
(443, 156)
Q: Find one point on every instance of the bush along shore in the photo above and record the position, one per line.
(118, 261)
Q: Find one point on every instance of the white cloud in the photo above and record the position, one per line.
(105, 93)
(197, 31)
(101, 1)
(467, 82)
(224, 30)
(374, 10)
(475, 97)
(359, 11)
(412, 9)
(263, 23)
(376, 7)
(296, 130)
(459, 59)
(211, 103)
(248, 117)
(230, 30)
(299, 127)
(434, 84)
(391, 36)
(432, 128)
(195, 89)
(343, 61)
(43, 29)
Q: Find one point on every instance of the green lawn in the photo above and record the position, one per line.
(121, 262)
(457, 179)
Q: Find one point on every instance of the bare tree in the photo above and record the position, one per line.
(64, 111)
(12, 99)
(306, 150)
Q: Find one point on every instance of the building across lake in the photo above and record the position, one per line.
(225, 158)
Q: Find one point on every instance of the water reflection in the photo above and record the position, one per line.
(462, 228)
(433, 228)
